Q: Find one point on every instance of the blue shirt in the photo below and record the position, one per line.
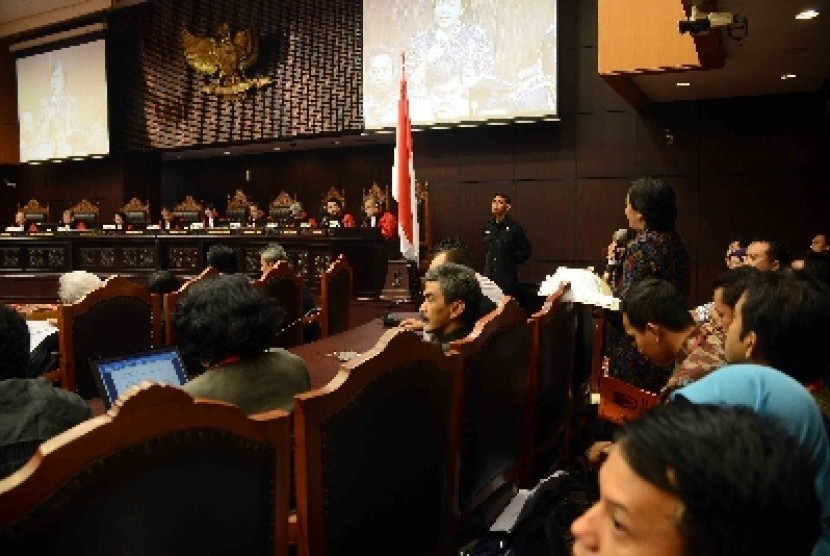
(773, 394)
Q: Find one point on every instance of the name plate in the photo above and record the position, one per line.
(252, 232)
(219, 231)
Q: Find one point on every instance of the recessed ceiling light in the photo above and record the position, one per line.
(786, 76)
(276, 148)
(683, 84)
(227, 152)
(807, 14)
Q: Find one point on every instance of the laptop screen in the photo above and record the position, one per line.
(115, 375)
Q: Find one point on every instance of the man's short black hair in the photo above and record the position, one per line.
(458, 283)
(746, 486)
(163, 281)
(14, 344)
(790, 316)
(656, 301)
(455, 250)
(656, 201)
(735, 282)
(504, 196)
(225, 317)
(222, 258)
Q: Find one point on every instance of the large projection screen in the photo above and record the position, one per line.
(467, 61)
(62, 103)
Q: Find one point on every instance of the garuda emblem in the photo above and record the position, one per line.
(225, 60)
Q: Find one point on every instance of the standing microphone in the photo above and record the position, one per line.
(619, 239)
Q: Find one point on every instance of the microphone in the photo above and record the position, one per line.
(618, 239)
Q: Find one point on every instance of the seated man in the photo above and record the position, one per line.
(163, 281)
(222, 258)
(300, 217)
(821, 243)
(33, 410)
(256, 217)
(454, 250)
(765, 254)
(227, 324)
(212, 219)
(452, 298)
(701, 480)
(376, 217)
(270, 256)
(72, 286)
(654, 316)
(168, 220)
(727, 290)
(334, 217)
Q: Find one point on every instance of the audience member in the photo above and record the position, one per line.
(702, 480)
(33, 410)
(72, 286)
(773, 395)
(454, 250)
(506, 245)
(727, 290)
(163, 281)
(766, 254)
(271, 255)
(820, 243)
(222, 258)
(736, 252)
(452, 298)
(656, 251)
(376, 217)
(655, 317)
(227, 324)
(334, 217)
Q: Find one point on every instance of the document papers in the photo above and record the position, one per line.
(585, 287)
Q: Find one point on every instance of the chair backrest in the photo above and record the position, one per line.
(497, 367)
(136, 211)
(335, 297)
(620, 401)
(118, 318)
(35, 212)
(160, 473)
(171, 303)
(376, 452)
(283, 285)
(85, 211)
(279, 210)
(237, 210)
(554, 350)
(189, 210)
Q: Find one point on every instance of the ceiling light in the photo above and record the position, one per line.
(683, 84)
(227, 152)
(786, 76)
(276, 148)
(807, 14)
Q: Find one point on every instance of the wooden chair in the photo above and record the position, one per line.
(189, 210)
(237, 210)
(279, 210)
(171, 303)
(35, 212)
(554, 350)
(283, 285)
(590, 328)
(335, 297)
(497, 369)
(620, 401)
(377, 452)
(160, 473)
(422, 198)
(86, 212)
(136, 211)
(118, 318)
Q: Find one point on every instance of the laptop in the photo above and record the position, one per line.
(116, 374)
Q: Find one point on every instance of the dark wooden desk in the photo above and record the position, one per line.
(321, 357)
(31, 264)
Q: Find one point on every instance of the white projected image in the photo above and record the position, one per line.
(466, 60)
(62, 103)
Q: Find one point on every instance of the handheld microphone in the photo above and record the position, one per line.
(619, 239)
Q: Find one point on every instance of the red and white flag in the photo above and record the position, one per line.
(403, 179)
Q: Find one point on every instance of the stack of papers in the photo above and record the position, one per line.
(586, 287)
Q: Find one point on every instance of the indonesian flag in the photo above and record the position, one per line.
(403, 180)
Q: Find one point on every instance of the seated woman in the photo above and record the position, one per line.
(227, 324)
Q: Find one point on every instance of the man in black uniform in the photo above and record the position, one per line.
(506, 244)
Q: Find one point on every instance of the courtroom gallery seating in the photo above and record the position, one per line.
(335, 297)
(160, 473)
(118, 318)
(283, 285)
(376, 452)
(497, 369)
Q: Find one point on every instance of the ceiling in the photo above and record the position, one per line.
(776, 44)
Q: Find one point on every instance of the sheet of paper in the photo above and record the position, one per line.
(585, 287)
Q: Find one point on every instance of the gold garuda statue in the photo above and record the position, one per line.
(225, 60)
